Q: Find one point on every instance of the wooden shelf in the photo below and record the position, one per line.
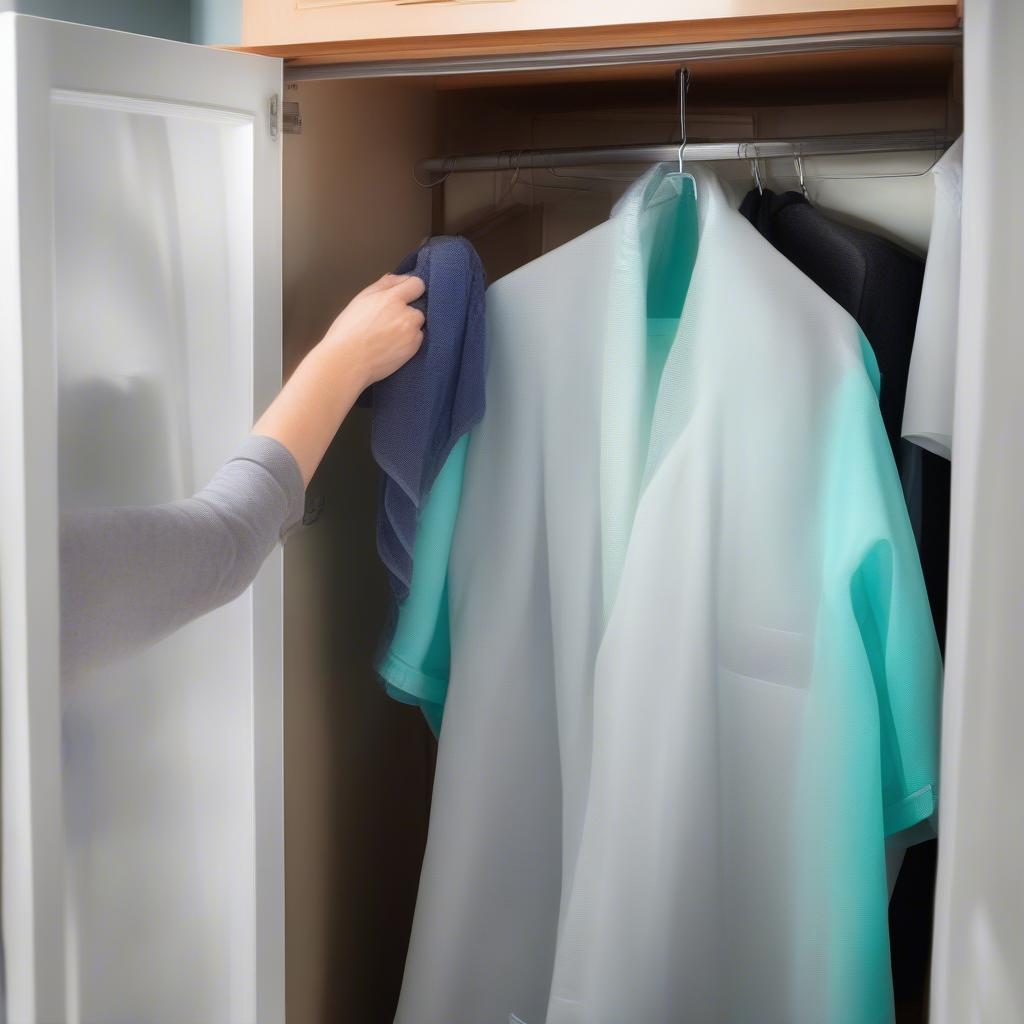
(824, 16)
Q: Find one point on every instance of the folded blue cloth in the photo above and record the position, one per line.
(421, 410)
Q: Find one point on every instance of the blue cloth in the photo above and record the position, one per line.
(422, 410)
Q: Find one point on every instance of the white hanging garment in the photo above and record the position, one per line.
(694, 679)
(928, 409)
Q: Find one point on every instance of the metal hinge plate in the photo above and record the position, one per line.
(291, 118)
(284, 117)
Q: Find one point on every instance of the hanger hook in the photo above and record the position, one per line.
(683, 76)
(518, 168)
(798, 160)
(755, 170)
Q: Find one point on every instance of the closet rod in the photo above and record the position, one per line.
(693, 152)
(832, 42)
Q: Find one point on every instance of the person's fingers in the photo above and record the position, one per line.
(382, 284)
(408, 289)
(416, 317)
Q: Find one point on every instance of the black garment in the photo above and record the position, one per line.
(879, 285)
(874, 280)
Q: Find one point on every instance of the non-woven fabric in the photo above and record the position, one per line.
(694, 679)
(875, 280)
(928, 416)
(880, 285)
(422, 410)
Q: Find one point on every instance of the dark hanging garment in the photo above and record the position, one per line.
(874, 280)
(879, 284)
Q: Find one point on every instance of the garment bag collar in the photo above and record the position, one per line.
(635, 437)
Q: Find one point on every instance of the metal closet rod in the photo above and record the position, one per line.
(688, 53)
(693, 152)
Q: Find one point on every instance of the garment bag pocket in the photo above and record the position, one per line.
(768, 654)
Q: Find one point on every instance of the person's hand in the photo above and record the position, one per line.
(378, 331)
(375, 334)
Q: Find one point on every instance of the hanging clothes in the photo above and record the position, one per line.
(416, 663)
(928, 412)
(694, 679)
(422, 415)
(876, 281)
(879, 284)
(928, 415)
(422, 410)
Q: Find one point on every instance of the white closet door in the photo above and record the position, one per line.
(140, 304)
(977, 975)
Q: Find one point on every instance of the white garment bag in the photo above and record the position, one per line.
(694, 677)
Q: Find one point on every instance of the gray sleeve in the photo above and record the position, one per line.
(131, 576)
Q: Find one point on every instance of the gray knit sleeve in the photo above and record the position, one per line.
(131, 576)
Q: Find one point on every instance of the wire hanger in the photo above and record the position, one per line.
(756, 172)
(683, 82)
(798, 161)
(683, 78)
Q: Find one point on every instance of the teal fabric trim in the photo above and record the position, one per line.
(910, 811)
(416, 666)
(434, 714)
(871, 364)
(408, 684)
(869, 766)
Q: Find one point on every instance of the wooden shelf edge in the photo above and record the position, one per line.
(937, 16)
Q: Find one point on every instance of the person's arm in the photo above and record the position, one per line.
(131, 576)
(375, 334)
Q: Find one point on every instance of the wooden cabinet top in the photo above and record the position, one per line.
(342, 30)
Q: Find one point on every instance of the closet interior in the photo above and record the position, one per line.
(358, 765)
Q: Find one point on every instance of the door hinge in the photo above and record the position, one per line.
(284, 117)
(291, 118)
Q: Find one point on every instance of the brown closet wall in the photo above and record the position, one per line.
(357, 765)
